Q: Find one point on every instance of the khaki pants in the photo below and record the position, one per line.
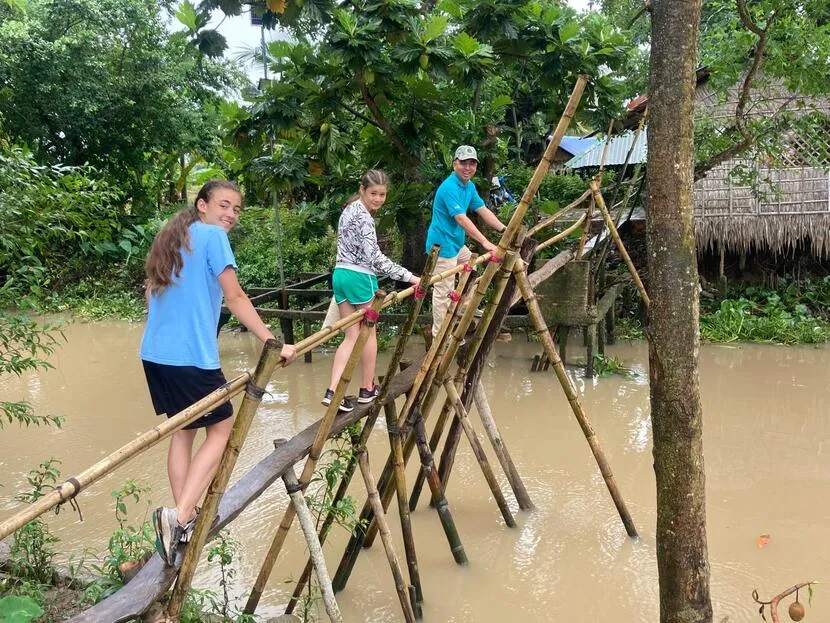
(441, 290)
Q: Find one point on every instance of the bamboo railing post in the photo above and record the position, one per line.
(315, 549)
(386, 537)
(314, 454)
(500, 448)
(253, 397)
(573, 398)
(612, 228)
(478, 451)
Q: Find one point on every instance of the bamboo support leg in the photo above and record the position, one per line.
(573, 399)
(307, 333)
(478, 451)
(563, 334)
(386, 537)
(315, 549)
(601, 340)
(434, 440)
(253, 396)
(611, 326)
(313, 455)
(499, 447)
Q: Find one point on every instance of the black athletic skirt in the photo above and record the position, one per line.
(174, 388)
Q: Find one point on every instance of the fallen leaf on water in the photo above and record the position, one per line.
(763, 540)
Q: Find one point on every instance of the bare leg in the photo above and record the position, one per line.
(368, 358)
(344, 351)
(178, 460)
(202, 468)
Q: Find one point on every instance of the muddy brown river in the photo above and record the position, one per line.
(767, 438)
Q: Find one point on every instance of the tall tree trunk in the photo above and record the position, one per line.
(674, 339)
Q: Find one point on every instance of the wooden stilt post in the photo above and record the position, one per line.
(478, 451)
(315, 549)
(360, 441)
(590, 335)
(314, 453)
(573, 399)
(253, 397)
(499, 447)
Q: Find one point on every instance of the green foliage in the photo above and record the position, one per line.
(628, 328)
(606, 365)
(32, 550)
(223, 551)
(97, 298)
(16, 609)
(308, 244)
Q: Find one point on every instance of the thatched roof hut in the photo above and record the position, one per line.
(751, 201)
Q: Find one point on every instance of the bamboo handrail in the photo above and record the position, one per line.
(552, 219)
(73, 486)
(563, 234)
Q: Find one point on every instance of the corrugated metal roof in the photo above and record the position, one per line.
(576, 145)
(617, 151)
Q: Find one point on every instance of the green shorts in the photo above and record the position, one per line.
(353, 286)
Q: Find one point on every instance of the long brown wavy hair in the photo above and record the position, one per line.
(372, 177)
(165, 261)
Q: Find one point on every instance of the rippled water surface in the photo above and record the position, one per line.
(766, 421)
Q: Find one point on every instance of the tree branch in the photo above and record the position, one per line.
(382, 122)
(360, 115)
(740, 109)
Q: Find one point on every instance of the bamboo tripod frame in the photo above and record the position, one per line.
(407, 433)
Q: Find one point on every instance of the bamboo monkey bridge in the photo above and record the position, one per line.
(448, 368)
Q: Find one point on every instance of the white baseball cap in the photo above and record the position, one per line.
(465, 152)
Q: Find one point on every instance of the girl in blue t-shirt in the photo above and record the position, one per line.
(189, 269)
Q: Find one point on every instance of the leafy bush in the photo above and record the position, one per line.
(308, 244)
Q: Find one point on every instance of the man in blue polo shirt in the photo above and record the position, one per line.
(454, 198)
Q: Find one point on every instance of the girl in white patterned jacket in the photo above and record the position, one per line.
(359, 262)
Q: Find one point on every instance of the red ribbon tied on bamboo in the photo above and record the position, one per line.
(419, 293)
(495, 259)
(454, 296)
(468, 268)
(371, 315)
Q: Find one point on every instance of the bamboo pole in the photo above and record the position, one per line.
(618, 241)
(589, 212)
(358, 538)
(253, 397)
(478, 451)
(500, 448)
(315, 548)
(573, 398)
(552, 219)
(434, 440)
(386, 537)
(314, 453)
(73, 486)
(563, 234)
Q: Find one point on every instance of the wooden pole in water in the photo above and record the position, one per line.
(253, 397)
(315, 548)
(500, 448)
(73, 486)
(370, 319)
(573, 398)
(478, 451)
(386, 537)
(612, 228)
